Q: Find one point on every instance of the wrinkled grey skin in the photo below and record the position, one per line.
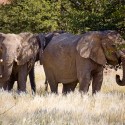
(79, 58)
(18, 52)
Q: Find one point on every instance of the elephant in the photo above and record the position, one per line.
(18, 54)
(70, 59)
(37, 42)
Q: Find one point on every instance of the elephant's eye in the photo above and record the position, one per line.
(113, 45)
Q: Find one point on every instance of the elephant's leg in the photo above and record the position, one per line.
(69, 87)
(22, 78)
(32, 80)
(53, 87)
(97, 81)
(53, 84)
(5, 86)
(84, 77)
(10, 83)
(84, 83)
(83, 73)
(51, 80)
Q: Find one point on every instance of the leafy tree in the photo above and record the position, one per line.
(28, 15)
(76, 16)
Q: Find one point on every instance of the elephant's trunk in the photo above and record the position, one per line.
(6, 69)
(121, 82)
(7, 52)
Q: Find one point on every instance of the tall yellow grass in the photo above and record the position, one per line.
(105, 108)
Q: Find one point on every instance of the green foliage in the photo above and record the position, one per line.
(27, 15)
(97, 15)
(76, 16)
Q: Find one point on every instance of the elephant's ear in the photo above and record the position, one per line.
(29, 48)
(42, 44)
(90, 46)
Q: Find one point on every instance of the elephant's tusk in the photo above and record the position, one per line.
(16, 60)
(1, 60)
(1, 76)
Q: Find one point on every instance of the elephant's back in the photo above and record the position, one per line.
(65, 38)
(62, 41)
(61, 45)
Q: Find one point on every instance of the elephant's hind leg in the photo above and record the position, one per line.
(50, 78)
(32, 80)
(10, 82)
(52, 82)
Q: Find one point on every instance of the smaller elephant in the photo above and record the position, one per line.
(43, 40)
(18, 53)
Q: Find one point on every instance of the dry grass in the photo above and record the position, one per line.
(106, 107)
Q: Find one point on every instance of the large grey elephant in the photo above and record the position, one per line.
(70, 59)
(18, 54)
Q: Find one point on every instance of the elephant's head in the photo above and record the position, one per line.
(10, 46)
(100, 46)
(19, 48)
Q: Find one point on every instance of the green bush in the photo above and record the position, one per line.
(76, 16)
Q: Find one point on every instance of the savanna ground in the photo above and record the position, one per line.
(104, 108)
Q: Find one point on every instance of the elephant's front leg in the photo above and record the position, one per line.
(5, 86)
(22, 78)
(84, 82)
(84, 68)
(97, 81)
(32, 80)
